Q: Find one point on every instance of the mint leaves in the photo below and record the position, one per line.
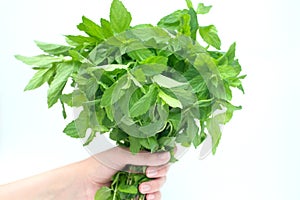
(63, 72)
(210, 36)
(146, 72)
(149, 87)
(120, 18)
(202, 9)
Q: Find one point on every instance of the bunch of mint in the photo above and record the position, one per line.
(149, 87)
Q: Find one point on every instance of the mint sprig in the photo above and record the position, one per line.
(149, 87)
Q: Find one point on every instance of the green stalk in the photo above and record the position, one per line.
(125, 183)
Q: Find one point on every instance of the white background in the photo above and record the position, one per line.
(258, 157)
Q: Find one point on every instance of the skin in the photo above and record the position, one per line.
(81, 180)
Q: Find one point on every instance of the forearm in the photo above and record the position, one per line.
(58, 184)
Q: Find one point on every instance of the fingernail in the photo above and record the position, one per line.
(145, 188)
(152, 173)
(150, 196)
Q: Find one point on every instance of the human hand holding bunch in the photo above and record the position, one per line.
(81, 180)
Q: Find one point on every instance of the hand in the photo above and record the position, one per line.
(81, 180)
(104, 165)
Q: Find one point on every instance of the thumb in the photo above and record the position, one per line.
(117, 158)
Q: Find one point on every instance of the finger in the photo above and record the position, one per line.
(156, 172)
(117, 158)
(147, 159)
(152, 186)
(154, 196)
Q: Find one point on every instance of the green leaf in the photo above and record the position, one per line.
(39, 61)
(171, 21)
(184, 95)
(229, 56)
(227, 71)
(198, 84)
(228, 91)
(208, 69)
(105, 193)
(183, 139)
(205, 103)
(106, 28)
(189, 3)
(137, 95)
(114, 92)
(156, 126)
(228, 113)
(117, 135)
(214, 130)
(128, 189)
(167, 141)
(192, 128)
(74, 99)
(175, 118)
(155, 60)
(109, 113)
(210, 36)
(64, 70)
(144, 103)
(82, 123)
(150, 37)
(202, 9)
(140, 54)
(167, 82)
(87, 84)
(76, 56)
(199, 138)
(53, 49)
(71, 130)
(175, 103)
(90, 138)
(110, 67)
(120, 18)
(142, 26)
(185, 28)
(78, 98)
(107, 95)
(139, 75)
(181, 21)
(67, 99)
(40, 77)
(189, 132)
(91, 28)
(102, 123)
(79, 40)
(144, 142)
(194, 25)
(135, 145)
(152, 69)
(150, 143)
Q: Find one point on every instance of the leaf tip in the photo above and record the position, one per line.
(18, 57)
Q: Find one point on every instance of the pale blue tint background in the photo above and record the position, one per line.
(258, 157)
